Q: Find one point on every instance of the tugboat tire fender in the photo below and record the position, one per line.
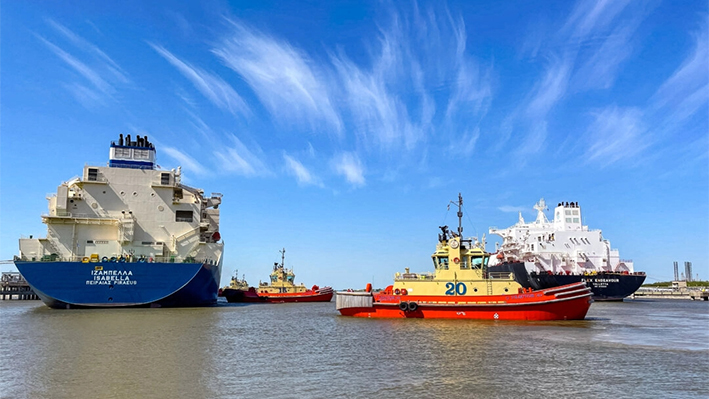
(413, 306)
(403, 306)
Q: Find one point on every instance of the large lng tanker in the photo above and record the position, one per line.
(126, 234)
(462, 287)
(545, 254)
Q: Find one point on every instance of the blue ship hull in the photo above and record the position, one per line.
(67, 285)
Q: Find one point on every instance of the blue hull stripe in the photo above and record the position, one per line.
(78, 284)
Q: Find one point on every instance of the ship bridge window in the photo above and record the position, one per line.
(141, 154)
(93, 174)
(183, 216)
(290, 279)
(464, 264)
(122, 153)
(442, 262)
(477, 262)
(274, 279)
(576, 220)
(165, 179)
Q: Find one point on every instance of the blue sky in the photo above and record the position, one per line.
(341, 130)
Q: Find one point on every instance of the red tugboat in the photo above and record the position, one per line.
(282, 288)
(462, 288)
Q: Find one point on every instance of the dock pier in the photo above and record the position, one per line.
(14, 286)
(667, 293)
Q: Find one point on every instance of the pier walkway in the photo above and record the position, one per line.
(14, 286)
(694, 294)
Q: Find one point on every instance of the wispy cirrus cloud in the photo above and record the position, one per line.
(300, 172)
(617, 134)
(219, 92)
(589, 17)
(550, 89)
(237, 158)
(512, 209)
(89, 47)
(190, 164)
(100, 74)
(685, 92)
(284, 79)
(350, 167)
(83, 69)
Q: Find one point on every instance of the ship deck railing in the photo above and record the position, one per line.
(500, 275)
(126, 259)
(414, 276)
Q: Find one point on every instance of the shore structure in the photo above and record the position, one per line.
(280, 288)
(462, 287)
(14, 286)
(126, 234)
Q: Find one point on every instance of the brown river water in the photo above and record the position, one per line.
(633, 349)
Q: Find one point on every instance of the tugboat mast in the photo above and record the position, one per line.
(459, 204)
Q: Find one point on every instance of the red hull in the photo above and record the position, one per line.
(251, 296)
(569, 302)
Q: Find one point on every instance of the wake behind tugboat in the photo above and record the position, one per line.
(544, 254)
(463, 287)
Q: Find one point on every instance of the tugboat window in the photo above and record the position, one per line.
(443, 263)
(165, 179)
(477, 262)
(183, 216)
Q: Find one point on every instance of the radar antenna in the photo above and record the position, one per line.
(541, 206)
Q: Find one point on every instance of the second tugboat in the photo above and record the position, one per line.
(462, 288)
(282, 288)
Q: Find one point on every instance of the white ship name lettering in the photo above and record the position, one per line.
(111, 277)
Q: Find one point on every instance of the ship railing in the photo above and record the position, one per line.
(119, 259)
(414, 276)
(500, 275)
(71, 215)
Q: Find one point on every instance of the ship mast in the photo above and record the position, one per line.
(460, 215)
(283, 258)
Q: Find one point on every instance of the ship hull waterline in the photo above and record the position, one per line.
(573, 304)
(64, 285)
(241, 296)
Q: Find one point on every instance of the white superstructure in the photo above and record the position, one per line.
(128, 209)
(563, 245)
